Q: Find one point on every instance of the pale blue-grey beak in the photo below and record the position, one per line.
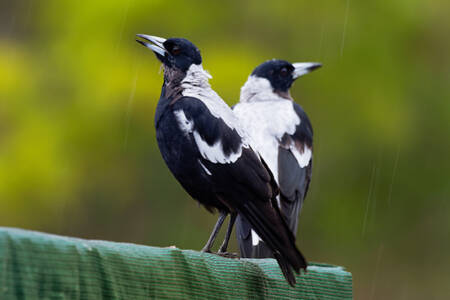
(302, 68)
(157, 45)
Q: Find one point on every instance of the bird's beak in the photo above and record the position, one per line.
(304, 68)
(156, 46)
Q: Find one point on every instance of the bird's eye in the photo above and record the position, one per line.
(176, 50)
(284, 72)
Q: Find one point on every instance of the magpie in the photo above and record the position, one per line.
(283, 136)
(210, 154)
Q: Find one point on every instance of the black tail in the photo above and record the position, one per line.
(244, 237)
(285, 268)
(290, 211)
(268, 223)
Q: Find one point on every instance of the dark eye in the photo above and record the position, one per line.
(284, 72)
(176, 50)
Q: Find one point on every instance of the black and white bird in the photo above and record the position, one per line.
(209, 153)
(282, 134)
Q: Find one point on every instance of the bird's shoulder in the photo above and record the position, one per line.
(295, 158)
(303, 135)
(215, 105)
(306, 126)
(216, 141)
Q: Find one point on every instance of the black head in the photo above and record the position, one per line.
(176, 53)
(281, 74)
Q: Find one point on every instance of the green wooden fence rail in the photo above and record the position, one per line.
(36, 265)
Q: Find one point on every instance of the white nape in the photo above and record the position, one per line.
(258, 89)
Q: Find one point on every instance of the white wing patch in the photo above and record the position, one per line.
(304, 158)
(213, 153)
(205, 168)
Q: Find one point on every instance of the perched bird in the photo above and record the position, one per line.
(209, 153)
(283, 136)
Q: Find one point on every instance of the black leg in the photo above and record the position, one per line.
(223, 248)
(214, 233)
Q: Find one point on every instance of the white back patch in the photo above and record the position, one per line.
(304, 158)
(266, 122)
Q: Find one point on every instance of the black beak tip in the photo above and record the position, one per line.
(141, 42)
(142, 36)
(315, 67)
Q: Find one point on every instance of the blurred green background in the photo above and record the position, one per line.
(77, 144)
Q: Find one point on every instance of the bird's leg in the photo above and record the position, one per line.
(223, 248)
(214, 233)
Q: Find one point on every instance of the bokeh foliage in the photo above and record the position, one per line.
(77, 143)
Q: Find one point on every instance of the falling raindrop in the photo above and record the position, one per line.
(372, 181)
(393, 176)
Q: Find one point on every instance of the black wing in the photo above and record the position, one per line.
(243, 183)
(293, 177)
(233, 161)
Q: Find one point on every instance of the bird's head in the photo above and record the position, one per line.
(174, 53)
(275, 76)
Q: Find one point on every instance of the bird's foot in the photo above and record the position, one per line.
(206, 250)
